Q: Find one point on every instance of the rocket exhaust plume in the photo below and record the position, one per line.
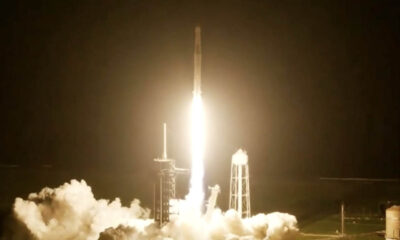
(196, 194)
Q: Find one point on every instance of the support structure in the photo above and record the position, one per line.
(165, 186)
(342, 218)
(239, 196)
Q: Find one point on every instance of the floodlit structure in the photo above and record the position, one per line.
(239, 196)
(393, 223)
(165, 187)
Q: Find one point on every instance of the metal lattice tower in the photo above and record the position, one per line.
(165, 187)
(239, 196)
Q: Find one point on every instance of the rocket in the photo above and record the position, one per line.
(197, 61)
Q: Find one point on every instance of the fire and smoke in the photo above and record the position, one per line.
(71, 212)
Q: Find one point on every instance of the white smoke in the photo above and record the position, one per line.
(71, 212)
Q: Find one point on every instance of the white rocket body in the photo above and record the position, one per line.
(197, 61)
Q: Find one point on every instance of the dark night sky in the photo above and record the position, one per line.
(309, 88)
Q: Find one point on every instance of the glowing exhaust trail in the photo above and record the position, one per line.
(196, 194)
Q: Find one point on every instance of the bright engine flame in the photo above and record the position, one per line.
(196, 194)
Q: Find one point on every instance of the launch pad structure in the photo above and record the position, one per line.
(165, 187)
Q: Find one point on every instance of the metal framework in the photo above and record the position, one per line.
(239, 195)
(165, 186)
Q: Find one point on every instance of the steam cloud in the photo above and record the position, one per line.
(71, 212)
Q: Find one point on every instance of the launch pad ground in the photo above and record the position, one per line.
(369, 228)
(366, 236)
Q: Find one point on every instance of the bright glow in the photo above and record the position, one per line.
(196, 194)
(240, 157)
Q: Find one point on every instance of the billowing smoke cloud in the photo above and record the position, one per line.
(71, 212)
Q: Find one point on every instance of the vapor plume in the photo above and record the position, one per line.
(71, 212)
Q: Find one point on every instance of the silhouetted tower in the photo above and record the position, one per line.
(239, 196)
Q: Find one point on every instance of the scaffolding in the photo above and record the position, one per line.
(239, 195)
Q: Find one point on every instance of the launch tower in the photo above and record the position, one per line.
(165, 187)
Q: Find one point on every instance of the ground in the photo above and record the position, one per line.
(368, 228)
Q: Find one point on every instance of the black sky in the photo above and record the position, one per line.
(309, 88)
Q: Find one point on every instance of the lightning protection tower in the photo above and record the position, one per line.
(239, 196)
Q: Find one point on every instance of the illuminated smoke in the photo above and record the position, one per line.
(196, 194)
(70, 212)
